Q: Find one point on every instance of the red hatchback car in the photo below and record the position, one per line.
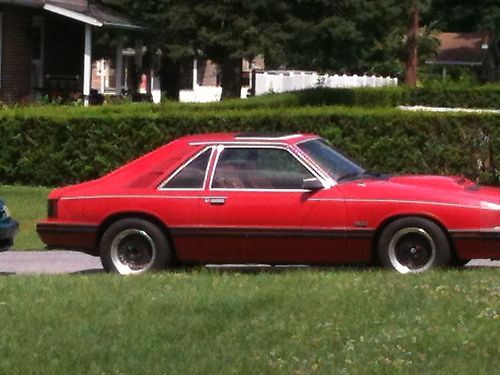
(275, 198)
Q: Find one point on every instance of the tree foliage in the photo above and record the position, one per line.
(353, 36)
(231, 30)
(339, 36)
(466, 15)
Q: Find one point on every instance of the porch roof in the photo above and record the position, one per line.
(80, 10)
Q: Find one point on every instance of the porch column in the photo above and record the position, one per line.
(155, 76)
(103, 71)
(119, 68)
(140, 88)
(195, 74)
(87, 64)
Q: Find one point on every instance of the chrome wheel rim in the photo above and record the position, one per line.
(412, 250)
(132, 251)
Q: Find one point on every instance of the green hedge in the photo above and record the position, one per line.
(484, 97)
(472, 97)
(75, 145)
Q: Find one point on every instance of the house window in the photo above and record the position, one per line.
(37, 53)
(36, 41)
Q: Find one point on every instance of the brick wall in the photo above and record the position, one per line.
(16, 55)
(208, 73)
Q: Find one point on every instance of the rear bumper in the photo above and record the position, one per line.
(483, 244)
(8, 230)
(68, 236)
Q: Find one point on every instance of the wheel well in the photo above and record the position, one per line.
(386, 222)
(136, 215)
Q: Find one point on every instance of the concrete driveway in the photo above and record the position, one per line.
(63, 262)
(48, 262)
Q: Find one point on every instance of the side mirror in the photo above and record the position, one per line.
(312, 184)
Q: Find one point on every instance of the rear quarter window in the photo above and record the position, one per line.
(191, 175)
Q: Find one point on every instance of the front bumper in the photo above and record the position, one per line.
(8, 230)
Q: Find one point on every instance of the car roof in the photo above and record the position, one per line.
(248, 137)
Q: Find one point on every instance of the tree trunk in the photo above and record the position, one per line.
(133, 78)
(231, 78)
(171, 78)
(411, 47)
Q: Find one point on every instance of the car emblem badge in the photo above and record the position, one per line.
(360, 224)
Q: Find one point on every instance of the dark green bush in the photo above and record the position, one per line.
(76, 144)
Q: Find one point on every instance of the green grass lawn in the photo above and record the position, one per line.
(27, 205)
(294, 322)
(204, 322)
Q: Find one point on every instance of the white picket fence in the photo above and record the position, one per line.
(277, 81)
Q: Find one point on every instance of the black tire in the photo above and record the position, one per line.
(413, 244)
(133, 246)
(457, 262)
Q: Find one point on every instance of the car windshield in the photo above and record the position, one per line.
(337, 165)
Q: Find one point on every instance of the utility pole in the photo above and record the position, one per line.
(411, 46)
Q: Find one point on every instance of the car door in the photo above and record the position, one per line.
(181, 196)
(255, 209)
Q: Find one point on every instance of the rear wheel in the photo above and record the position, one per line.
(133, 246)
(412, 245)
(457, 262)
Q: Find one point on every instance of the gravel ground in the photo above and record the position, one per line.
(61, 262)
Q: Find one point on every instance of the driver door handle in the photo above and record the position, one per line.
(216, 201)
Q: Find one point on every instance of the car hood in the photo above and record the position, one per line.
(443, 189)
(450, 184)
(435, 182)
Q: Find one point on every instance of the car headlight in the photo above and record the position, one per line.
(4, 212)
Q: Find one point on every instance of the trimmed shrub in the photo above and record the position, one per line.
(469, 97)
(74, 145)
(485, 97)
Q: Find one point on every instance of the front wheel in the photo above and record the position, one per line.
(133, 246)
(412, 245)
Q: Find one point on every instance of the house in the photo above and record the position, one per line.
(46, 47)
(477, 51)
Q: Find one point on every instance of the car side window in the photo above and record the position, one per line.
(192, 175)
(258, 168)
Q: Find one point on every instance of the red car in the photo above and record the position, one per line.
(270, 198)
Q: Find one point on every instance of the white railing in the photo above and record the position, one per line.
(277, 81)
(201, 94)
(206, 94)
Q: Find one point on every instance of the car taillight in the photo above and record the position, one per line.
(52, 208)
